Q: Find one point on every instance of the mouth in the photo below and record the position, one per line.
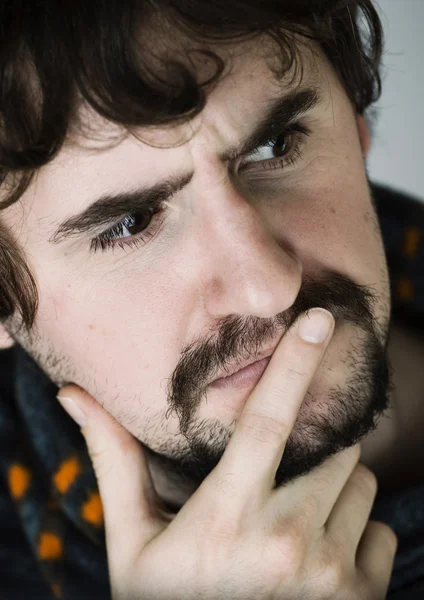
(243, 378)
(243, 373)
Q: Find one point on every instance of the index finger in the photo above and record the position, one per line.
(255, 449)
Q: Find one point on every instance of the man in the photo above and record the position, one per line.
(146, 268)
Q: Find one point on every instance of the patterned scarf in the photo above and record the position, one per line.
(52, 482)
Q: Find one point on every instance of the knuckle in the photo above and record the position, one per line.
(334, 577)
(333, 551)
(323, 481)
(295, 374)
(364, 481)
(289, 556)
(287, 540)
(332, 569)
(212, 514)
(347, 459)
(222, 484)
(101, 462)
(384, 531)
(292, 543)
(265, 429)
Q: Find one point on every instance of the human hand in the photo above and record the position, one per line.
(237, 537)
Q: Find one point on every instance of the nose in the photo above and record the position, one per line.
(250, 271)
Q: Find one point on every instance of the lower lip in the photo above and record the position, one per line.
(244, 378)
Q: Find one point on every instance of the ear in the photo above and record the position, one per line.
(5, 340)
(364, 135)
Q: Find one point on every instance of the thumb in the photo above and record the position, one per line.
(130, 503)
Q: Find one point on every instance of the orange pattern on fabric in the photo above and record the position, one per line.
(66, 474)
(411, 242)
(18, 478)
(57, 590)
(49, 546)
(92, 510)
(404, 288)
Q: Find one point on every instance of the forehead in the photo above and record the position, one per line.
(98, 155)
(252, 75)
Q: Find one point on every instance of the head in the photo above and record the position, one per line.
(146, 247)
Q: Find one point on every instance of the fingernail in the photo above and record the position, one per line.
(315, 325)
(74, 410)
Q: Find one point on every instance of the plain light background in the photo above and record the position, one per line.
(397, 151)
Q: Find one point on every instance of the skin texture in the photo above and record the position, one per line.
(237, 258)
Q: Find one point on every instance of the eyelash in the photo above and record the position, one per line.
(108, 240)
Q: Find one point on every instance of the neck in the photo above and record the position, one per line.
(172, 490)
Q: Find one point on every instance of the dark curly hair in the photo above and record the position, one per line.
(55, 54)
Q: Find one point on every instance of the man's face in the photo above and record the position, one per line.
(217, 276)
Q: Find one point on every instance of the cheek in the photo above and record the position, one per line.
(353, 235)
(116, 332)
(330, 222)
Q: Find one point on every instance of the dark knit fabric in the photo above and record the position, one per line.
(52, 534)
(52, 542)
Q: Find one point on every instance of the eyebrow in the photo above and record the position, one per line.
(109, 208)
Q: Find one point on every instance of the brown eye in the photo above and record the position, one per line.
(282, 144)
(280, 151)
(136, 228)
(136, 223)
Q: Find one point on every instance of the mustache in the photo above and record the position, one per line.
(240, 338)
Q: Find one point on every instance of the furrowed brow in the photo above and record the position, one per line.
(109, 208)
(279, 114)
